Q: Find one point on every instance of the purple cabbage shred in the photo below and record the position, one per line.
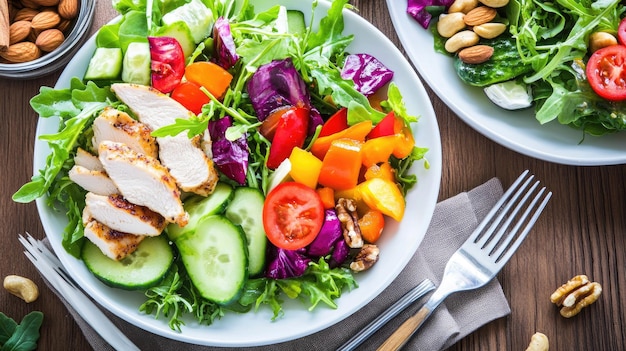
(367, 73)
(328, 236)
(417, 9)
(278, 84)
(230, 157)
(226, 53)
(286, 263)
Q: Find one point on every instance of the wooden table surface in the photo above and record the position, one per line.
(582, 230)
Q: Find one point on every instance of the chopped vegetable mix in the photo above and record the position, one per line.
(307, 143)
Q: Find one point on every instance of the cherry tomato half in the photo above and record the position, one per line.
(293, 215)
(606, 72)
(190, 96)
(291, 131)
(167, 63)
(621, 32)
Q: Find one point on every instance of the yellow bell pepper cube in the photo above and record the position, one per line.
(305, 168)
(385, 196)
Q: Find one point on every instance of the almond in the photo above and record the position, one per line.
(480, 15)
(21, 52)
(65, 25)
(49, 39)
(45, 20)
(68, 8)
(46, 2)
(30, 4)
(25, 14)
(18, 31)
(476, 54)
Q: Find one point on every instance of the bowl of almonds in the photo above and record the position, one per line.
(38, 37)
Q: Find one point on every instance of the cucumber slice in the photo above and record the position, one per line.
(200, 207)
(142, 269)
(295, 22)
(136, 65)
(180, 32)
(196, 15)
(246, 210)
(216, 258)
(105, 65)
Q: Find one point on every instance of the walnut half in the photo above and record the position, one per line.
(576, 294)
(346, 213)
(365, 258)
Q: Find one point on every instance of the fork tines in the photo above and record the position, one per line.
(521, 204)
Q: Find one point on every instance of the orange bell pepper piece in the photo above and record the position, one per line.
(305, 168)
(327, 195)
(371, 225)
(379, 149)
(357, 132)
(383, 170)
(209, 75)
(404, 144)
(341, 165)
(385, 196)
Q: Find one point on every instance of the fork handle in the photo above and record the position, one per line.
(406, 330)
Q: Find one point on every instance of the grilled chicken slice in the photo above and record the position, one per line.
(115, 125)
(142, 180)
(86, 159)
(118, 214)
(193, 170)
(95, 181)
(116, 245)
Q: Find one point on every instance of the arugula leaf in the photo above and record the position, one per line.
(320, 283)
(344, 93)
(328, 39)
(86, 103)
(166, 298)
(395, 103)
(7, 328)
(25, 335)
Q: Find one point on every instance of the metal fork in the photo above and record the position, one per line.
(484, 253)
(52, 270)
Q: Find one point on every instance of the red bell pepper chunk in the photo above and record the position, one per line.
(291, 131)
(384, 128)
(336, 123)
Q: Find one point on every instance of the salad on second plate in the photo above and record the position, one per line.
(221, 159)
(565, 59)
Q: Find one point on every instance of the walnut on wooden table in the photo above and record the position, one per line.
(576, 294)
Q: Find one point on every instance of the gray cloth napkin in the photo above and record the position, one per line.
(459, 315)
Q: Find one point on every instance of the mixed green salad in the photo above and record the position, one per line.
(304, 137)
(547, 52)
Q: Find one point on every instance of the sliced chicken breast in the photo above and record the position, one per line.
(97, 182)
(188, 163)
(85, 159)
(114, 244)
(118, 214)
(142, 180)
(115, 125)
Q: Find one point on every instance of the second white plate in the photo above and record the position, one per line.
(518, 130)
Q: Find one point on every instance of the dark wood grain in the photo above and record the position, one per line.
(581, 232)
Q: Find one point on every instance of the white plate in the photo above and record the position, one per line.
(398, 243)
(519, 130)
